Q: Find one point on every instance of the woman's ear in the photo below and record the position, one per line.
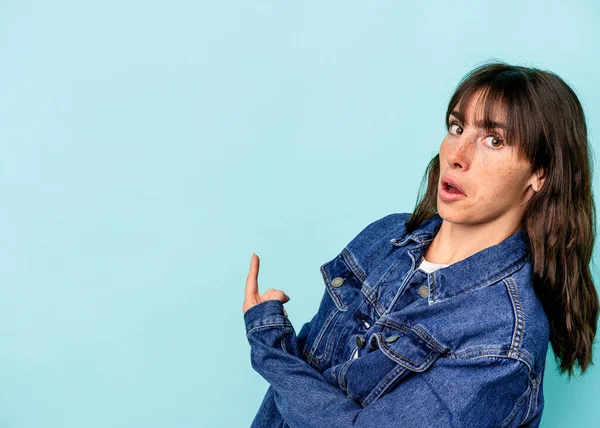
(539, 179)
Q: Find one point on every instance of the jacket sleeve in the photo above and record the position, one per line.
(268, 416)
(482, 392)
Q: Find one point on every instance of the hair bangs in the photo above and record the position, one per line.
(503, 106)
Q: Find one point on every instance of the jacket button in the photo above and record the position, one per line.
(366, 323)
(424, 291)
(373, 342)
(391, 339)
(337, 281)
(360, 342)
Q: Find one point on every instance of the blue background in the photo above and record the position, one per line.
(148, 148)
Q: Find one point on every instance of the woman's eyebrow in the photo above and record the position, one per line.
(481, 124)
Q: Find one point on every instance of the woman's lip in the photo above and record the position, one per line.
(449, 197)
(445, 181)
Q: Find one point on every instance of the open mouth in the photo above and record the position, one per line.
(451, 189)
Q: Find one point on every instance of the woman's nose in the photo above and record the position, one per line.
(460, 152)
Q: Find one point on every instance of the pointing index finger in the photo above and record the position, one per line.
(252, 280)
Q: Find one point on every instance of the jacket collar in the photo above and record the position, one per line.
(481, 269)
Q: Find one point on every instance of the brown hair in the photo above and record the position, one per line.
(545, 120)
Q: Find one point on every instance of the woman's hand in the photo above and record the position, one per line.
(252, 297)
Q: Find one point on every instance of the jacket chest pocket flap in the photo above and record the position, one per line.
(343, 282)
(343, 279)
(396, 355)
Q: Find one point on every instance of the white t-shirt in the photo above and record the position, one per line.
(430, 267)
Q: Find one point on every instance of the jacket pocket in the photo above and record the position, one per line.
(393, 355)
(343, 281)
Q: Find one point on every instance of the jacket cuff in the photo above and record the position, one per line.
(269, 312)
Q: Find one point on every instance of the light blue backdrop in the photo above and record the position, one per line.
(148, 148)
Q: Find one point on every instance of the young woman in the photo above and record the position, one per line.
(442, 317)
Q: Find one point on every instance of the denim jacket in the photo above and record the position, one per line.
(467, 350)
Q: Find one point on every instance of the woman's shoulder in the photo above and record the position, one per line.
(382, 229)
(372, 245)
(503, 319)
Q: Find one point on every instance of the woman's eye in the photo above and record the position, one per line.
(451, 125)
(495, 141)
(497, 144)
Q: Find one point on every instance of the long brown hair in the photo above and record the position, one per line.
(546, 123)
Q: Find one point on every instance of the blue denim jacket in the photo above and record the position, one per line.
(469, 350)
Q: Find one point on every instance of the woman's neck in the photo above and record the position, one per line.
(455, 242)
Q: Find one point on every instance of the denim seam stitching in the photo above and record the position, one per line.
(334, 296)
(418, 330)
(519, 317)
(411, 273)
(535, 398)
(492, 280)
(433, 297)
(310, 354)
(529, 405)
(532, 402)
(414, 363)
(342, 375)
(384, 274)
(517, 408)
(372, 298)
(351, 262)
(266, 326)
(277, 320)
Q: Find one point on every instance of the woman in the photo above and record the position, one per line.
(442, 317)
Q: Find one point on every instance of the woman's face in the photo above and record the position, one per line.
(495, 182)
